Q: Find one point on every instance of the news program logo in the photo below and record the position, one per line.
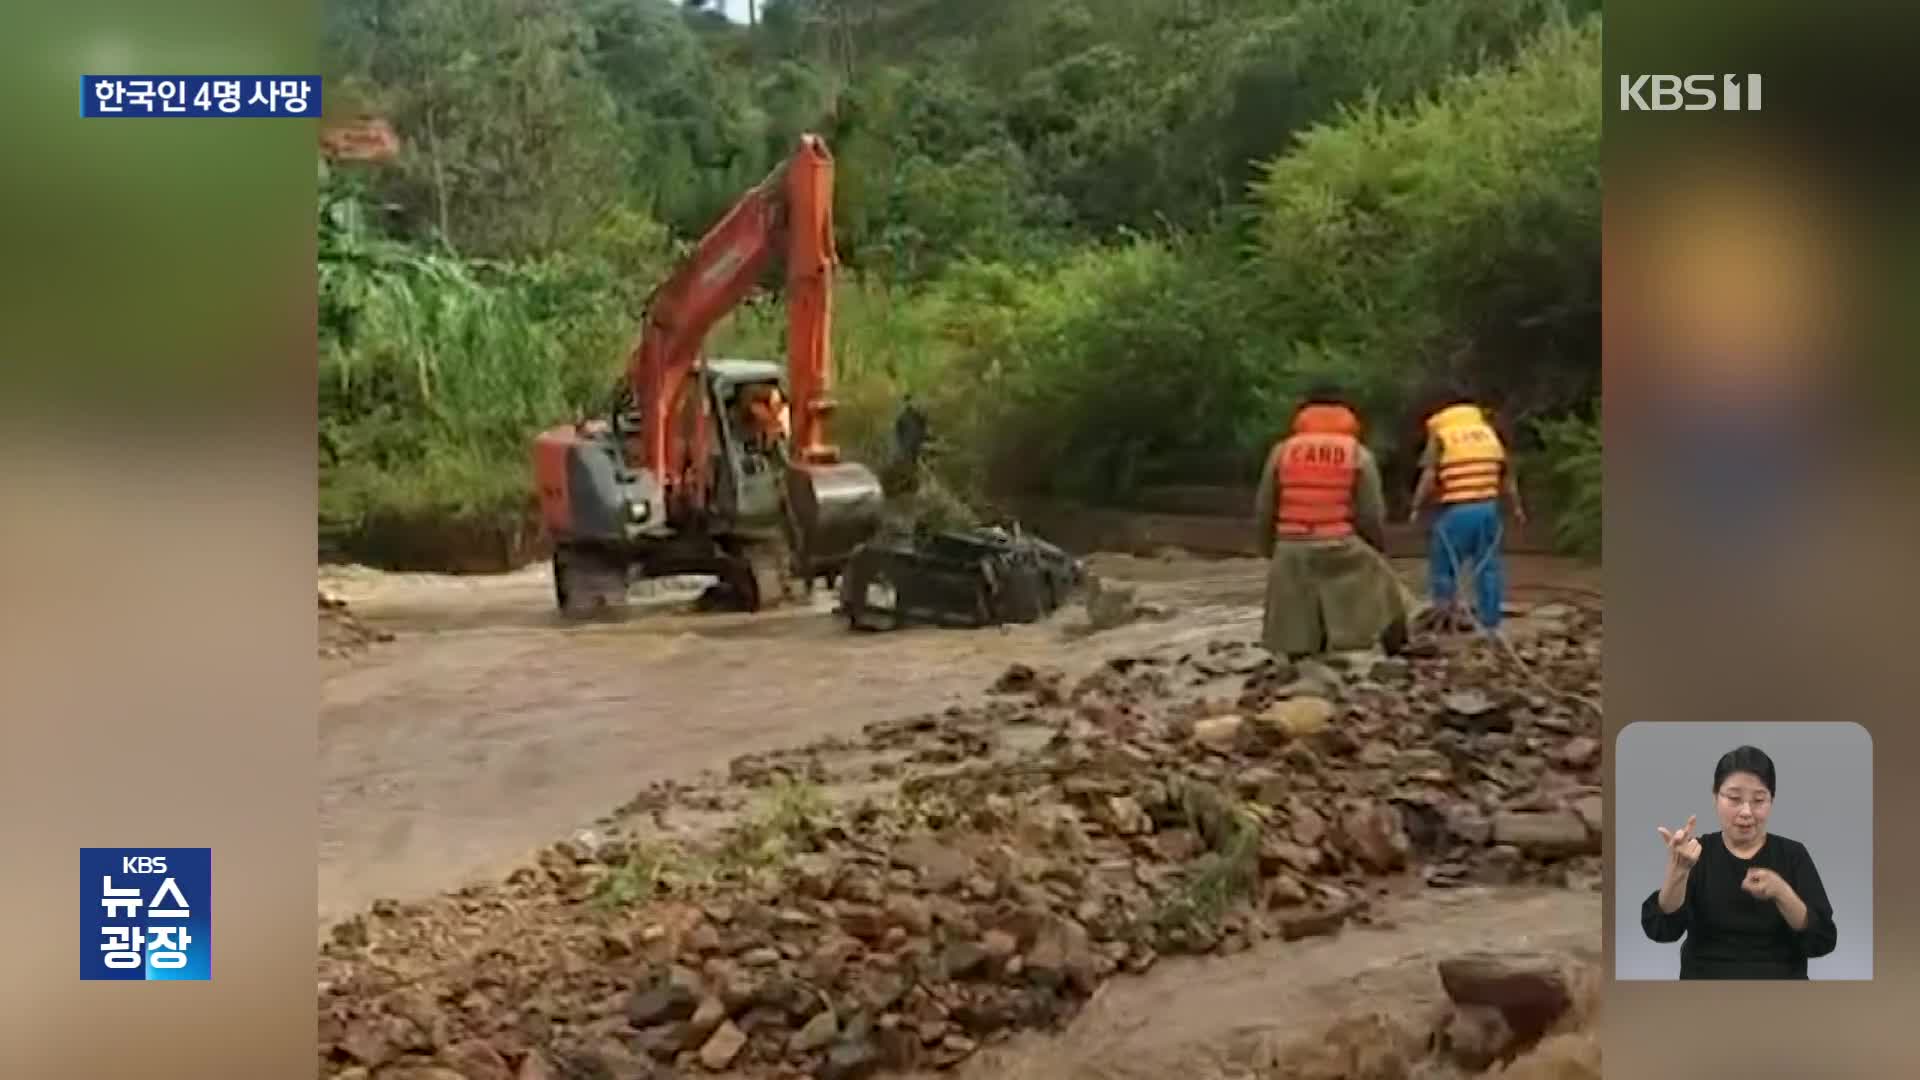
(1689, 93)
(146, 913)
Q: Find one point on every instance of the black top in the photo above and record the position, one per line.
(1731, 935)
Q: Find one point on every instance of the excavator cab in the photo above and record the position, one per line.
(747, 466)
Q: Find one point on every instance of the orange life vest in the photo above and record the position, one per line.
(1315, 471)
(1471, 458)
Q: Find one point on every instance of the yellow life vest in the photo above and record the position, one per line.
(1471, 459)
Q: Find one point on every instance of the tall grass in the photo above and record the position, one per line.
(1571, 452)
(435, 373)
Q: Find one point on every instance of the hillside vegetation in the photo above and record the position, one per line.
(1105, 242)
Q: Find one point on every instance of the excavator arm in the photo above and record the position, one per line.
(789, 213)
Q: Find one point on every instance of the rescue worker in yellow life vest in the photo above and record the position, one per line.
(1465, 471)
(1322, 522)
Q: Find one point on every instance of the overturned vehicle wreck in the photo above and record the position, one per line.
(983, 576)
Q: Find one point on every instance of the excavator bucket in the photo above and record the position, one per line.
(836, 508)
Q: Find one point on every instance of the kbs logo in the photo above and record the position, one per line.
(146, 913)
(1692, 93)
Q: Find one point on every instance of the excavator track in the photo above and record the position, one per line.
(587, 585)
(772, 583)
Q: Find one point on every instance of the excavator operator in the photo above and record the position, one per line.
(764, 413)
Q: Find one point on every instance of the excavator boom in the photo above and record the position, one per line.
(791, 208)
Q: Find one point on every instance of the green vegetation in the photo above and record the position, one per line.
(1104, 244)
(786, 822)
(1227, 870)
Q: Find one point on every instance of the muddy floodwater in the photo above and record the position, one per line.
(487, 728)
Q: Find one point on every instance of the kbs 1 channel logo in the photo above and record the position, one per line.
(146, 913)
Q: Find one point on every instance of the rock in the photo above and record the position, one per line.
(981, 887)
(1285, 892)
(608, 1058)
(794, 919)
(376, 1040)
(734, 985)
(1298, 718)
(999, 945)
(534, 1067)
(815, 874)
(939, 865)
(1423, 764)
(1018, 678)
(910, 913)
(1475, 711)
(1476, 1036)
(477, 1060)
(1593, 813)
(1125, 817)
(706, 1020)
(1219, 732)
(702, 939)
(818, 1033)
(1314, 677)
(1530, 990)
(879, 991)
(1177, 845)
(1277, 854)
(1315, 923)
(898, 1044)
(1373, 834)
(851, 1058)
(1062, 953)
(1580, 753)
(953, 1049)
(830, 958)
(792, 998)
(1556, 834)
(674, 997)
(962, 959)
(1309, 828)
(1466, 823)
(1555, 722)
(859, 888)
(760, 957)
(864, 921)
(723, 1047)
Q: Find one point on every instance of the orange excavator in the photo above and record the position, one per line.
(710, 466)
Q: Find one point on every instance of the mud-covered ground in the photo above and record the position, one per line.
(886, 867)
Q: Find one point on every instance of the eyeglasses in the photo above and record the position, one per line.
(1757, 802)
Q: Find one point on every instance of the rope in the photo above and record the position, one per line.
(1456, 606)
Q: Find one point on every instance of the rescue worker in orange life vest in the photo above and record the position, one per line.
(1465, 469)
(1322, 522)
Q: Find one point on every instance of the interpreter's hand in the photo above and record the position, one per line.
(1762, 883)
(1683, 848)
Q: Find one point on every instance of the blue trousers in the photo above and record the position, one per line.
(1465, 538)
